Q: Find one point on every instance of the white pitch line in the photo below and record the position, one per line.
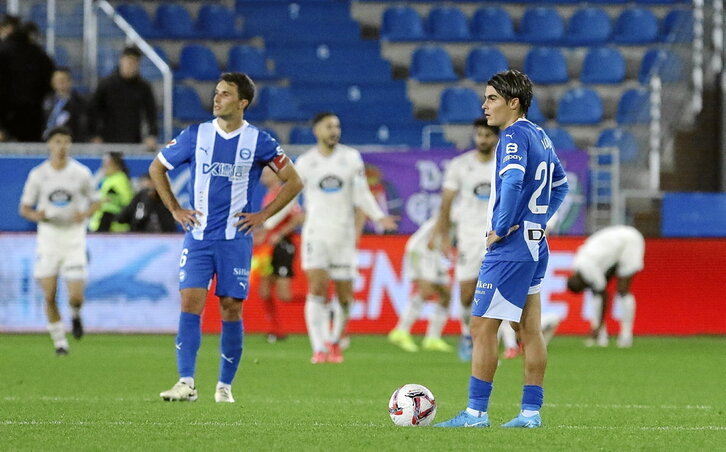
(628, 407)
(644, 427)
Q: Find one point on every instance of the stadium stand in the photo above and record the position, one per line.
(541, 25)
(662, 62)
(447, 23)
(250, 60)
(459, 105)
(432, 64)
(217, 22)
(174, 21)
(622, 139)
(198, 62)
(561, 138)
(634, 107)
(580, 106)
(492, 24)
(402, 23)
(483, 62)
(603, 65)
(587, 27)
(636, 26)
(188, 106)
(546, 65)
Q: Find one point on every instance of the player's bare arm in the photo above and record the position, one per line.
(82, 215)
(291, 185)
(493, 238)
(30, 214)
(185, 217)
(441, 236)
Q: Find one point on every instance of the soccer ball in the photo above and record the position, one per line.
(412, 405)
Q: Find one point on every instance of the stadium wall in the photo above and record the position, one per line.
(133, 288)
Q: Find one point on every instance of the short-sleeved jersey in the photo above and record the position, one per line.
(615, 246)
(471, 179)
(419, 240)
(334, 185)
(524, 146)
(225, 169)
(60, 194)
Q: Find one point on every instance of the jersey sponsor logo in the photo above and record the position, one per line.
(331, 184)
(511, 148)
(245, 154)
(512, 157)
(60, 198)
(509, 135)
(482, 191)
(232, 172)
(484, 285)
(240, 271)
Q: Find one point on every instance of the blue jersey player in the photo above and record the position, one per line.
(528, 186)
(226, 157)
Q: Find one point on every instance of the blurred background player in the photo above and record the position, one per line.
(612, 251)
(335, 185)
(59, 196)
(467, 181)
(146, 212)
(278, 254)
(219, 223)
(429, 270)
(116, 193)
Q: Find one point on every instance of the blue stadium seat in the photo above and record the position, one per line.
(175, 22)
(634, 107)
(39, 15)
(277, 103)
(677, 26)
(402, 23)
(561, 138)
(198, 62)
(622, 139)
(61, 57)
(580, 106)
(187, 106)
(250, 60)
(447, 23)
(541, 25)
(302, 135)
(662, 62)
(70, 24)
(588, 26)
(364, 93)
(107, 60)
(137, 17)
(483, 62)
(603, 65)
(459, 105)
(636, 26)
(432, 63)
(534, 113)
(147, 68)
(546, 65)
(217, 22)
(492, 24)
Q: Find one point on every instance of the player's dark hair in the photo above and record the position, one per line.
(322, 115)
(482, 122)
(245, 85)
(60, 130)
(131, 51)
(118, 159)
(9, 20)
(65, 69)
(513, 83)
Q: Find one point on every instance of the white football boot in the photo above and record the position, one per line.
(180, 392)
(223, 394)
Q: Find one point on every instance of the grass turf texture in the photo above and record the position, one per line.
(664, 393)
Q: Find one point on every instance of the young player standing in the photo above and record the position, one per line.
(59, 196)
(335, 185)
(226, 157)
(529, 185)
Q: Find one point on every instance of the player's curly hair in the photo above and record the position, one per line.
(245, 86)
(513, 83)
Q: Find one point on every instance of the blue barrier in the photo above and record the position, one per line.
(694, 215)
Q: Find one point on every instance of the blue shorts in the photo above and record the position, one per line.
(228, 259)
(503, 286)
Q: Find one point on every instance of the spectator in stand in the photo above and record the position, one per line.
(25, 72)
(115, 194)
(65, 107)
(146, 212)
(121, 105)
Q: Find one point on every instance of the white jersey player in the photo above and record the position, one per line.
(59, 196)
(429, 269)
(612, 251)
(335, 186)
(468, 181)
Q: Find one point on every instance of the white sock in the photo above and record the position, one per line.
(507, 334)
(627, 314)
(529, 413)
(476, 413)
(58, 334)
(316, 320)
(75, 312)
(340, 313)
(189, 381)
(410, 313)
(437, 322)
(221, 385)
(465, 319)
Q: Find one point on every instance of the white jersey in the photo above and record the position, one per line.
(60, 194)
(419, 240)
(334, 185)
(471, 178)
(621, 246)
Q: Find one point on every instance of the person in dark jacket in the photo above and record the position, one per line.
(123, 101)
(65, 107)
(146, 212)
(25, 72)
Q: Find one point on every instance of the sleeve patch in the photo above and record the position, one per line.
(279, 162)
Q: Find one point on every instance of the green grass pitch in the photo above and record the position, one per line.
(663, 394)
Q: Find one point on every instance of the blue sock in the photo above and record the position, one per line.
(188, 340)
(532, 397)
(231, 348)
(479, 392)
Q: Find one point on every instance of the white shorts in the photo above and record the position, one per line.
(337, 257)
(71, 263)
(631, 259)
(428, 266)
(469, 258)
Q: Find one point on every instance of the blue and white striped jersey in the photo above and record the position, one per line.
(225, 169)
(524, 147)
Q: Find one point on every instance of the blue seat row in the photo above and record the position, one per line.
(173, 21)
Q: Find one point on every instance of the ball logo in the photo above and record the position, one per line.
(245, 154)
(482, 191)
(60, 198)
(331, 184)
